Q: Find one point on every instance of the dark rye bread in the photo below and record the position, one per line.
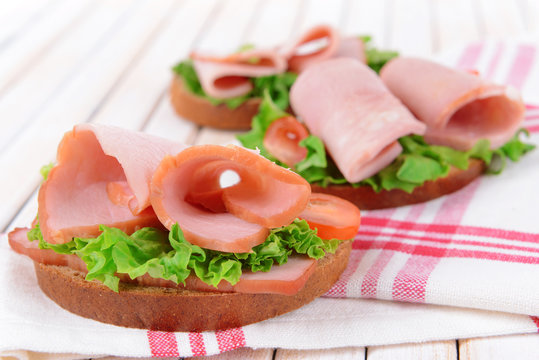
(202, 112)
(171, 309)
(365, 198)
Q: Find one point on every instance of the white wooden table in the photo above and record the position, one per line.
(64, 62)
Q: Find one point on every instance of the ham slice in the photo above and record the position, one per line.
(458, 107)
(228, 76)
(186, 189)
(19, 242)
(343, 102)
(102, 177)
(321, 43)
(286, 279)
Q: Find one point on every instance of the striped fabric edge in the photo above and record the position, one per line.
(165, 344)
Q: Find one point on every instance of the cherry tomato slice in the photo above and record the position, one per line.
(282, 140)
(335, 218)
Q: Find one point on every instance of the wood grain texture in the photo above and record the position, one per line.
(521, 347)
(513, 24)
(17, 56)
(37, 142)
(453, 21)
(345, 353)
(440, 350)
(367, 17)
(244, 354)
(411, 27)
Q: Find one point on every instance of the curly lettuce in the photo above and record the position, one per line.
(376, 58)
(419, 162)
(167, 255)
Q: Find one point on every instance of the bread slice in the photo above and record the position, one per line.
(202, 112)
(172, 309)
(365, 198)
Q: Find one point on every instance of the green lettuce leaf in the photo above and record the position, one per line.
(376, 58)
(169, 256)
(316, 167)
(278, 86)
(418, 162)
(45, 170)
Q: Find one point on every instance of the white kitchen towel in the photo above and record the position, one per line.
(31, 321)
(477, 248)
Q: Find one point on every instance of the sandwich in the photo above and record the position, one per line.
(225, 92)
(418, 131)
(139, 231)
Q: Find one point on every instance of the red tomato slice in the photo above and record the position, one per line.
(335, 218)
(282, 140)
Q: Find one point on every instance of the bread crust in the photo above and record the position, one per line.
(365, 198)
(171, 309)
(200, 111)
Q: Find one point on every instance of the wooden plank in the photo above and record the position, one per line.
(16, 16)
(439, 350)
(502, 19)
(366, 17)
(27, 214)
(265, 33)
(343, 353)
(227, 31)
(521, 347)
(19, 56)
(318, 12)
(455, 23)
(166, 123)
(243, 353)
(37, 144)
(410, 29)
(529, 10)
(213, 136)
(42, 81)
(145, 83)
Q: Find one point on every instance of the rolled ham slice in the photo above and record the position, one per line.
(343, 102)
(321, 43)
(102, 177)
(227, 77)
(458, 107)
(187, 189)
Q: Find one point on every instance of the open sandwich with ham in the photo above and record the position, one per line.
(225, 92)
(139, 231)
(417, 131)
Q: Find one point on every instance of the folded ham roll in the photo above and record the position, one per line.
(343, 102)
(321, 43)
(458, 107)
(102, 177)
(228, 76)
(187, 189)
